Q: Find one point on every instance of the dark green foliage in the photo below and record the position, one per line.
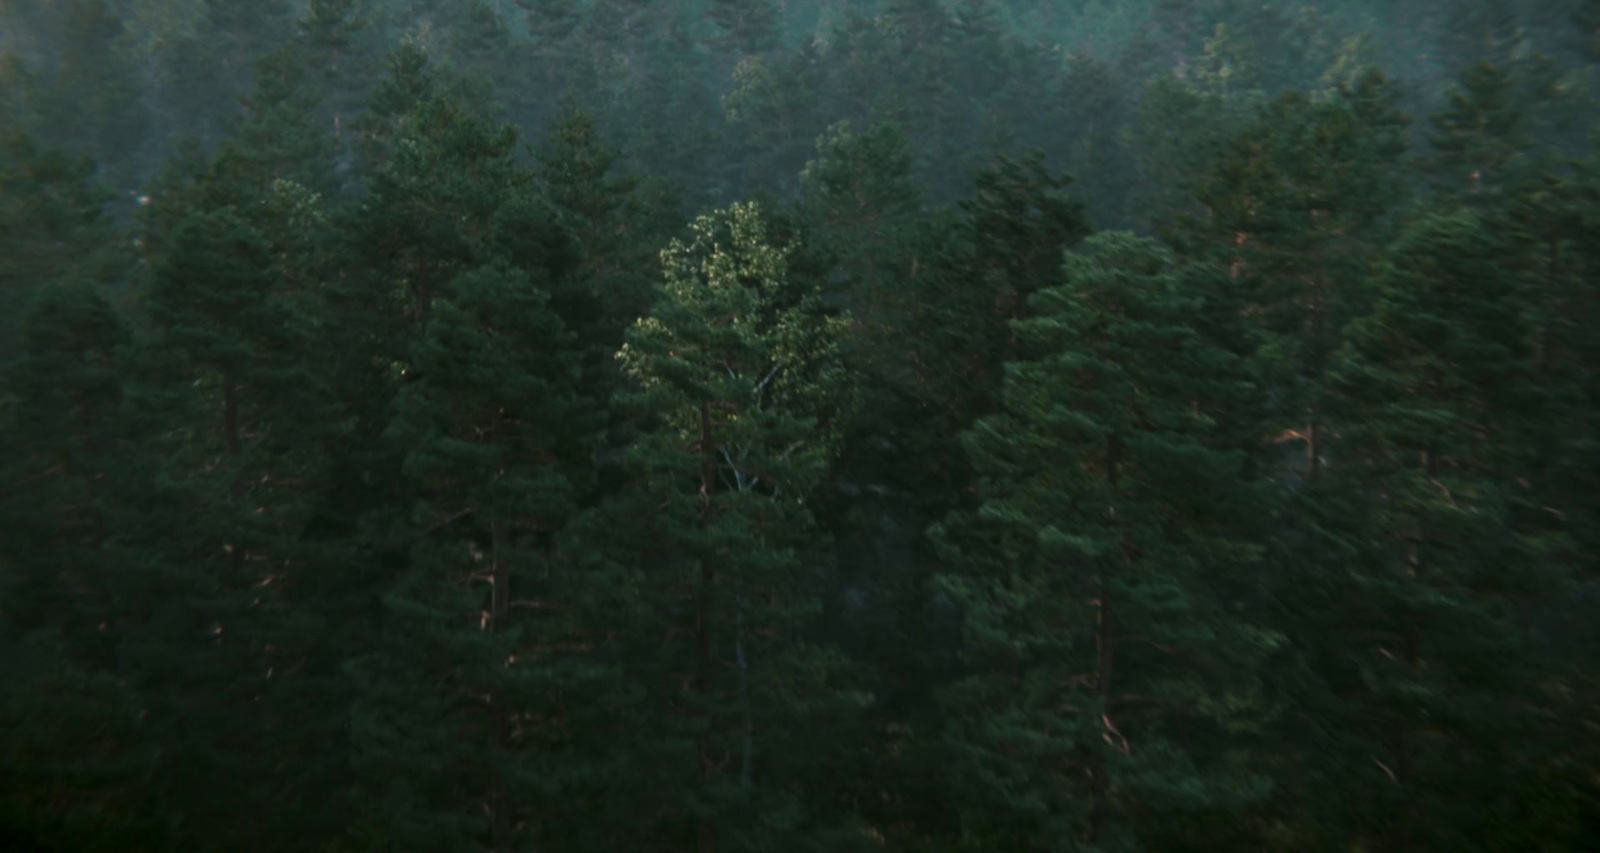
(211, 547)
(775, 109)
(1277, 46)
(331, 32)
(284, 133)
(913, 516)
(1106, 668)
(91, 103)
(1499, 129)
(738, 371)
(76, 754)
(494, 437)
(1586, 21)
(51, 227)
(209, 67)
(1293, 209)
(1485, 31)
(1433, 390)
(410, 83)
(1474, 140)
(1006, 248)
(745, 26)
(62, 399)
(670, 115)
(862, 204)
(1105, 170)
(618, 218)
(491, 432)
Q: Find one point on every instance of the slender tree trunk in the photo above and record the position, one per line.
(1314, 377)
(705, 828)
(1411, 652)
(1313, 447)
(424, 295)
(500, 604)
(96, 520)
(747, 765)
(500, 610)
(230, 432)
(235, 448)
(1105, 648)
(1100, 781)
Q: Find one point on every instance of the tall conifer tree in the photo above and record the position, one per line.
(739, 374)
(1109, 675)
(1436, 391)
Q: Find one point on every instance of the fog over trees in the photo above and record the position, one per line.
(800, 426)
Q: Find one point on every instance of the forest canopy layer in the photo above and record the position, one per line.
(1030, 426)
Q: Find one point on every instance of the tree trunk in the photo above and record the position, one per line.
(1411, 652)
(230, 432)
(500, 808)
(747, 764)
(1105, 648)
(1313, 448)
(424, 295)
(705, 827)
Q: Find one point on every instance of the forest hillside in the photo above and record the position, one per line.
(800, 426)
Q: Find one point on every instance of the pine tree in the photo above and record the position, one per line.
(1586, 21)
(1267, 46)
(92, 105)
(495, 435)
(1098, 103)
(554, 56)
(1109, 678)
(739, 373)
(861, 203)
(481, 69)
(433, 199)
(994, 104)
(209, 67)
(73, 756)
(1570, 358)
(411, 81)
(1006, 247)
(51, 227)
(282, 135)
(66, 393)
(333, 35)
(1477, 135)
(462, 296)
(1498, 132)
(1182, 123)
(858, 230)
(1480, 31)
(669, 112)
(1294, 209)
(774, 111)
(620, 219)
(745, 27)
(1430, 675)
(239, 431)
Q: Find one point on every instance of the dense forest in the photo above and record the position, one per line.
(720, 426)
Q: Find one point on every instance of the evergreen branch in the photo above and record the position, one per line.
(30, 480)
(760, 386)
(542, 606)
(1121, 742)
(738, 472)
(1160, 647)
(452, 519)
